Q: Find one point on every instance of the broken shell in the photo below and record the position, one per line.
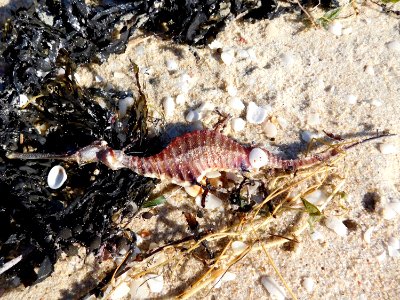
(56, 178)
(258, 158)
(169, 106)
(336, 225)
(238, 124)
(193, 116)
(236, 103)
(193, 190)
(308, 284)
(227, 56)
(255, 114)
(123, 105)
(172, 65)
(212, 201)
(238, 247)
(274, 289)
(270, 130)
(387, 148)
(155, 283)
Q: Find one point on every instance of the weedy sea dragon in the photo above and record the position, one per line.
(188, 158)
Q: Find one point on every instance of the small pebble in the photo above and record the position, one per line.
(23, 99)
(238, 124)
(387, 148)
(227, 56)
(394, 46)
(336, 225)
(193, 116)
(287, 59)
(313, 119)
(307, 136)
(155, 283)
(255, 114)
(193, 190)
(270, 130)
(172, 65)
(169, 106)
(121, 291)
(212, 201)
(368, 234)
(335, 28)
(56, 178)
(215, 44)
(351, 99)
(258, 158)
(317, 235)
(370, 70)
(180, 99)
(238, 247)
(236, 104)
(308, 284)
(274, 289)
(232, 90)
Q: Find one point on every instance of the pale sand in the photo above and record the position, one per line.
(325, 69)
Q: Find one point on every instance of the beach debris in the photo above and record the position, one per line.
(393, 46)
(193, 190)
(307, 136)
(23, 100)
(381, 257)
(237, 104)
(211, 201)
(258, 158)
(169, 107)
(123, 105)
(287, 59)
(313, 119)
(336, 225)
(193, 116)
(232, 90)
(139, 289)
(155, 283)
(274, 289)
(238, 124)
(227, 56)
(270, 130)
(238, 247)
(351, 99)
(393, 247)
(368, 234)
(255, 114)
(388, 148)
(317, 197)
(335, 28)
(171, 65)
(120, 292)
(308, 284)
(180, 99)
(215, 44)
(317, 235)
(56, 177)
(369, 70)
(227, 276)
(390, 210)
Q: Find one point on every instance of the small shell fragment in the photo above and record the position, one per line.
(335, 28)
(317, 235)
(180, 99)
(237, 104)
(258, 158)
(193, 190)
(270, 130)
(211, 201)
(227, 276)
(213, 174)
(227, 56)
(387, 148)
(121, 291)
(351, 99)
(56, 178)
(155, 283)
(394, 46)
(307, 136)
(308, 284)
(238, 124)
(255, 114)
(172, 65)
(23, 100)
(391, 210)
(193, 116)
(317, 197)
(336, 225)
(232, 90)
(368, 234)
(123, 105)
(238, 247)
(169, 106)
(274, 289)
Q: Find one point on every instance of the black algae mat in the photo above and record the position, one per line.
(41, 47)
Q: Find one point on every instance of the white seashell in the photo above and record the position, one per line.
(180, 99)
(238, 124)
(23, 99)
(169, 106)
(394, 46)
(123, 105)
(193, 190)
(232, 90)
(368, 234)
(227, 56)
(287, 59)
(155, 283)
(314, 119)
(56, 178)
(274, 289)
(387, 148)
(172, 65)
(307, 136)
(336, 225)
(351, 99)
(255, 114)
(308, 284)
(139, 289)
(370, 70)
(270, 130)
(121, 291)
(317, 197)
(212, 201)
(317, 235)
(215, 44)
(335, 28)
(213, 174)
(238, 247)
(282, 122)
(193, 116)
(236, 103)
(394, 243)
(227, 276)
(258, 158)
